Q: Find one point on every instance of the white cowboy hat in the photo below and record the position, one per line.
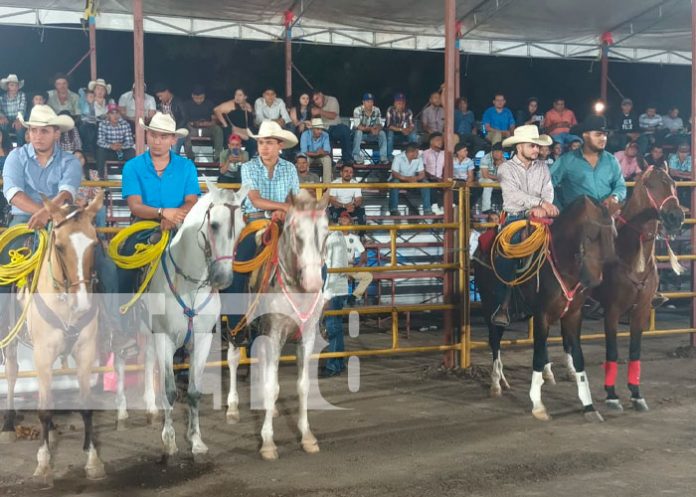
(318, 122)
(271, 129)
(12, 78)
(43, 115)
(99, 81)
(164, 123)
(528, 134)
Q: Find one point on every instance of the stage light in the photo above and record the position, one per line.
(599, 107)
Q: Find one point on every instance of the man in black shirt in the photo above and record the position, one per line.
(199, 111)
(169, 104)
(625, 125)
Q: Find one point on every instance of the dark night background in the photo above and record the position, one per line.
(222, 65)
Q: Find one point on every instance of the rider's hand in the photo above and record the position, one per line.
(174, 216)
(167, 225)
(278, 215)
(538, 212)
(550, 209)
(39, 220)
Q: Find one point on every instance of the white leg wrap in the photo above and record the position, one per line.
(584, 389)
(535, 390)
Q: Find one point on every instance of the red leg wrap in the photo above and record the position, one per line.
(634, 372)
(611, 370)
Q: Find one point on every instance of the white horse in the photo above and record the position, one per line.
(301, 250)
(196, 265)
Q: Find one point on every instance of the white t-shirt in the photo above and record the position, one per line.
(345, 195)
(336, 284)
(355, 247)
(405, 167)
(127, 101)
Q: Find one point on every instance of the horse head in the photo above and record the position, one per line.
(304, 236)
(73, 240)
(660, 192)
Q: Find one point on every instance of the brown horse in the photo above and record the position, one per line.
(582, 240)
(632, 280)
(62, 319)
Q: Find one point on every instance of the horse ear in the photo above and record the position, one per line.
(212, 187)
(55, 211)
(96, 204)
(241, 194)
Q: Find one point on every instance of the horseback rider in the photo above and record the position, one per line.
(527, 191)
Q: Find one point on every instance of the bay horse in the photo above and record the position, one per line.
(631, 281)
(63, 318)
(582, 239)
(292, 307)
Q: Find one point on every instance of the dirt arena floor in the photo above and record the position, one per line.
(411, 430)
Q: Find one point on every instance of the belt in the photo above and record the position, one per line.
(256, 215)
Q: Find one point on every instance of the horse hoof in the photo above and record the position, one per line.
(199, 449)
(269, 453)
(496, 392)
(232, 417)
(95, 472)
(310, 444)
(593, 417)
(43, 478)
(640, 405)
(8, 437)
(614, 406)
(541, 414)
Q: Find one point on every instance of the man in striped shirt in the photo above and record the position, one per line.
(114, 139)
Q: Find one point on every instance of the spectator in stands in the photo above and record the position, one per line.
(630, 160)
(3, 153)
(465, 126)
(656, 156)
(335, 292)
(231, 160)
(303, 172)
(463, 165)
(69, 140)
(12, 103)
(400, 124)
(327, 108)
(574, 143)
(674, 127)
(271, 108)
(434, 163)
(315, 144)
(556, 150)
(301, 115)
(356, 256)
(237, 116)
(545, 154)
(86, 194)
(651, 127)
(558, 121)
(61, 98)
(93, 103)
(199, 111)
(126, 105)
(169, 104)
(368, 127)
(433, 115)
(498, 120)
(531, 114)
(38, 99)
(346, 199)
(114, 139)
(680, 163)
(408, 168)
(626, 123)
(488, 169)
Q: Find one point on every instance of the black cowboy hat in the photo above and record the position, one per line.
(592, 123)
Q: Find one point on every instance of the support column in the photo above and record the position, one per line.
(693, 170)
(448, 105)
(92, 47)
(289, 17)
(139, 73)
(604, 73)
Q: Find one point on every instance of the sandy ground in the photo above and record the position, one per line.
(411, 430)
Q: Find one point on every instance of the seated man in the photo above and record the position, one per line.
(433, 115)
(114, 139)
(400, 125)
(680, 163)
(315, 144)
(170, 104)
(271, 108)
(356, 256)
(199, 111)
(368, 127)
(488, 168)
(651, 127)
(327, 108)
(674, 127)
(434, 163)
(465, 126)
(408, 168)
(656, 156)
(126, 106)
(346, 199)
(12, 103)
(61, 98)
(631, 162)
(303, 172)
(498, 120)
(625, 124)
(231, 160)
(558, 121)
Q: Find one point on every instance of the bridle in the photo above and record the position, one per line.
(66, 285)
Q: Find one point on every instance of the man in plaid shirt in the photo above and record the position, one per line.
(114, 139)
(368, 125)
(12, 103)
(399, 124)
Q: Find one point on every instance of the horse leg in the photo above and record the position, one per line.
(43, 359)
(8, 433)
(269, 357)
(498, 380)
(541, 358)
(611, 366)
(571, 328)
(201, 348)
(568, 360)
(639, 319)
(165, 355)
(233, 356)
(304, 355)
(151, 411)
(121, 403)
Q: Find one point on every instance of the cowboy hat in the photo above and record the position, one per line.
(528, 134)
(99, 81)
(12, 78)
(164, 123)
(592, 123)
(318, 122)
(43, 115)
(271, 129)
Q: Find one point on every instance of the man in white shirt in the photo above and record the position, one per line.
(346, 199)
(408, 168)
(270, 108)
(355, 250)
(126, 106)
(335, 292)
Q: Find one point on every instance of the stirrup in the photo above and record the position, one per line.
(658, 300)
(501, 317)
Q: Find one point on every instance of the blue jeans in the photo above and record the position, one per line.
(341, 133)
(506, 267)
(334, 330)
(246, 250)
(380, 138)
(88, 134)
(6, 130)
(412, 137)
(425, 198)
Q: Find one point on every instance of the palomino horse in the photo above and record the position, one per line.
(632, 280)
(298, 270)
(62, 318)
(581, 241)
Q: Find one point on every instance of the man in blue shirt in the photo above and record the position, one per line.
(315, 144)
(498, 120)
(464, 126)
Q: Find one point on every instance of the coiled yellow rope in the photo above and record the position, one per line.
(250, 230)
(145, 254)
(23, 263)
(536, 245)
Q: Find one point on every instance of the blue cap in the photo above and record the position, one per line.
(368, 96)
(399, 97)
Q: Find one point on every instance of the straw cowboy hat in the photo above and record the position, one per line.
(164, 123)
(318, 122)
(12, 78)
(271, 129)
(99, 81)
(43, 115)
(528, 134)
